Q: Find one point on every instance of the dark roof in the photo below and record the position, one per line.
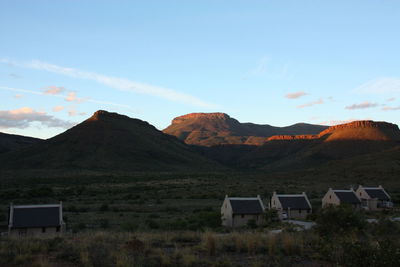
(246, 206)
(348, 197)
(36, 217)
(294, 202)
(377, 193)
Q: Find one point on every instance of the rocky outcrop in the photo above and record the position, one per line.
(293, 137)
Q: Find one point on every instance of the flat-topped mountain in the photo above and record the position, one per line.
(10, 142)
(335, 143)
(109, 141)
(356, 130)
(209, 129)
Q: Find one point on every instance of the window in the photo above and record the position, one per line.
(299, 211)
(242, 215)
(330, 196)
(43, 229)
(58, 228)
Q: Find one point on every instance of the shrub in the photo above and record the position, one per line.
(104, 207)
(152, 224)
(339, 220)
(251, 224)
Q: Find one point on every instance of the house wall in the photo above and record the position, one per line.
(239, 220)
(297, 214)
(330, 198)
(50, 231)
(226, 213)
(366, 201)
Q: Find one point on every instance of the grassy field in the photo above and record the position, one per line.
(167, 201)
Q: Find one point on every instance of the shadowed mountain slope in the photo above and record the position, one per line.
(10, 142)
(109, 141)
(210, 129)
(335, 143)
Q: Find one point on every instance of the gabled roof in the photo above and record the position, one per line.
(347, 196)
(246, 205)
(294, 202)
(36, 216)
(376, 192)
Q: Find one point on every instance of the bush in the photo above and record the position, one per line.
(339, 220)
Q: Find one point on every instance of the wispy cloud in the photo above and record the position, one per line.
(310, 104)
(115, 82)
(363, 105)
(380, 86)
(387, 108)
(15, 76)
(391, 99)
(23, 117)
(295, 95)
(58, 108)
(65, 96)
(53, 90)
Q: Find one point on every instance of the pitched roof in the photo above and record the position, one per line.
(294, 202)
(378, 193)
(36, 216)
(246, 205)
(347, 196)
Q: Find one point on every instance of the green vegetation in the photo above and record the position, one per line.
(169, 219)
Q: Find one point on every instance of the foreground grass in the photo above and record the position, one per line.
(376, 245)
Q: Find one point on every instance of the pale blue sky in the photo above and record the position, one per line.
(155, 60)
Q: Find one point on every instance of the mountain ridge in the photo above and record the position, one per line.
(209, 129)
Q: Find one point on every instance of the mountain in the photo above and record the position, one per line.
(339, 142)
(210, 129)
(10, 142)
(109, 141)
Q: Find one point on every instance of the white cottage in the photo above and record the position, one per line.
(341, 197)
(35, 220)
(238, 211)
(374, 198)
(296, 206)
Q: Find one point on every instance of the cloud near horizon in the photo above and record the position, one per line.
(114, 82)
(296, 95)
(363, 105)
(310, 104)
(23, 117)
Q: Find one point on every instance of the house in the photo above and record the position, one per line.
(341, 197)
(239, 211)
(35, 220)
(374, 198)
(291, 206)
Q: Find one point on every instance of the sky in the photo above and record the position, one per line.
(266, 62)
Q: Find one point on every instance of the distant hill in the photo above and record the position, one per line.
(109, 141)
(339, 142)
(210, 129)
(10, 142)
